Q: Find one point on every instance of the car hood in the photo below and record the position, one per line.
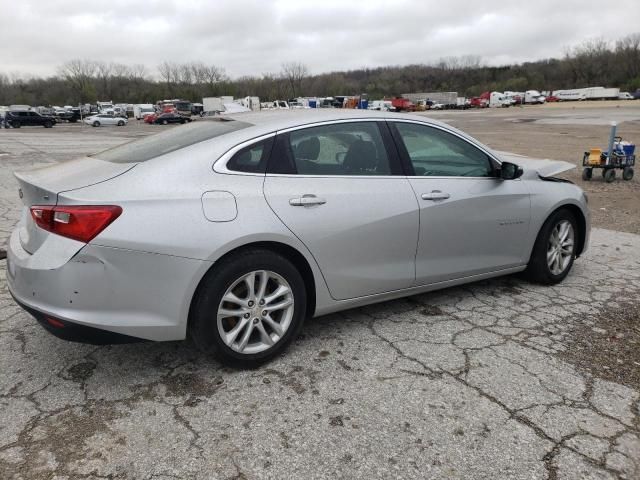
(532, 167)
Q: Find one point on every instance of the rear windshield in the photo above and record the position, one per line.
(170, 141)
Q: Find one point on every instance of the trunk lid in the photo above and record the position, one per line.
(43, 185)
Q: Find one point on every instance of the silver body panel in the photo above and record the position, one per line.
(373, 239)
(363, 238)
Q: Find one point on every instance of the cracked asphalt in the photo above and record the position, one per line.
(489, 380)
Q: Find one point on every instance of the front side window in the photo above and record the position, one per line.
(350, 148)
(436, 153)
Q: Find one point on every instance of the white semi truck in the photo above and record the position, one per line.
(533, 96)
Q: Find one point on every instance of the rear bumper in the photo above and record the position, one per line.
(126, 292)
(74, 332)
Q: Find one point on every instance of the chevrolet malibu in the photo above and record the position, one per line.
(234, 230)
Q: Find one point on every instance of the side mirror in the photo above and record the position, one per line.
(510, 171)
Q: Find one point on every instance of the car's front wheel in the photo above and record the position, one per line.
(121, 123)
(248, 308)
(96, 124)
(555, 249)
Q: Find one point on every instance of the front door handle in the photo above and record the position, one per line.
(435, 195)
(307, 200)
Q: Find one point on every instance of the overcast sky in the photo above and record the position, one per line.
(249, 37)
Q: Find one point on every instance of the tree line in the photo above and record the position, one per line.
(595, 62)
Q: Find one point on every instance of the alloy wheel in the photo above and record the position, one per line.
(560, 247)
(255, 312)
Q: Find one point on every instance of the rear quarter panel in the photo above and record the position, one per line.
(163, 212)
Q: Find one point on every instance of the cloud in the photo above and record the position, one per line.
(249, 37)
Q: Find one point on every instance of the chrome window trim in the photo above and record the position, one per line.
(220, 165)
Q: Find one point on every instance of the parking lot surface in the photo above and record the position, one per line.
(497, 379)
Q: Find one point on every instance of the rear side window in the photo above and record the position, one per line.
(347, 148)
(170, 141)
(252, 159)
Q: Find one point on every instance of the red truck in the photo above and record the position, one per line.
(479, 102)
(400, 104)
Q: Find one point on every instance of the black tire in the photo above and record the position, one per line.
(164, 122)
(15, 124)
(587, 173)
(182, 122)
(609, 175)
(121, 123)
(538, 270)
(48, 124)
(203, 327)
(95, 124)
(627, 173)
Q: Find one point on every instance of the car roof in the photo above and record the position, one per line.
(274, 120)
(269, 121)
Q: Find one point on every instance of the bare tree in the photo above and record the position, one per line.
(628, 52)
(295, 73)
(214, 74)
(80, 75)
(186, 74)
(103, 73)
(170, 74)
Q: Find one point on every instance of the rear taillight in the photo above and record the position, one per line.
(78, 222)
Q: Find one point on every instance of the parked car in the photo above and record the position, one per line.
(22, 118)
(233, 231)
(150, 118)
(166, 118)
(71, 115)
(625, 96)
(103, 119)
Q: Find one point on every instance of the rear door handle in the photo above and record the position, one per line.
(307, 200)
(435, 195)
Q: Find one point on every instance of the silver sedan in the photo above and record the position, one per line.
(235, 230)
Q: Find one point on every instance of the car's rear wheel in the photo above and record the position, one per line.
(248, 308)
(121, 123)
(15, 124)
(164, 122)
(96, 123)
(555, 249)
(48, 124)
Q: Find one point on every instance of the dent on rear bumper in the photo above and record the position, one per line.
(134, 293)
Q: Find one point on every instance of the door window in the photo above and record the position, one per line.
(436, 153)
(350, 148)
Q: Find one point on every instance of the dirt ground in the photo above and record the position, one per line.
(564, 131)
